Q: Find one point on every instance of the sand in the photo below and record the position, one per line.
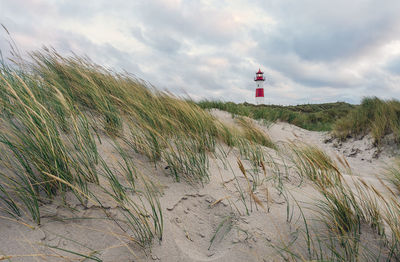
(201, 223)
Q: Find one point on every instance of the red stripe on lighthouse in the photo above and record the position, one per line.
(260, 92)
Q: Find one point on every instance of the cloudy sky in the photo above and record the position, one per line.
(312, 51)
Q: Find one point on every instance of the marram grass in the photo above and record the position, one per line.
(359, 222)
(375, 116)
(55, 111)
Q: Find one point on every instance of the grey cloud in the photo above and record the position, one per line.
(394, 66)
(190, 20)
(83, 10)
(310, 74)
(310, 54)
(161, 41)
(331, 30)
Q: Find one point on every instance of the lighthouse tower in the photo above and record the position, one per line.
(259, 79)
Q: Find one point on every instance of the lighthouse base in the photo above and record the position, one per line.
(259, 100)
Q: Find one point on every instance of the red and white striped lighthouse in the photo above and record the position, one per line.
(259, 89)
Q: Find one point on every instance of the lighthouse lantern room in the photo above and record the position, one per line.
(259, 79)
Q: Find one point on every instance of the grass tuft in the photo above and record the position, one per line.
(375, 116)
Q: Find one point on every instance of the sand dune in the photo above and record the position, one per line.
(201, 223)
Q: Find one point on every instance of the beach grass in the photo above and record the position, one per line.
(375, 116)
(55, 113)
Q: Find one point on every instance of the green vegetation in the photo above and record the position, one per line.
(49, 145)
(375, 116)
(317, 117)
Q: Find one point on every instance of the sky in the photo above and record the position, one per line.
(311, 51)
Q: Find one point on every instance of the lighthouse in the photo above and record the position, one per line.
(259, 79)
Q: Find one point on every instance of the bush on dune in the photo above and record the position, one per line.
(375, 116)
